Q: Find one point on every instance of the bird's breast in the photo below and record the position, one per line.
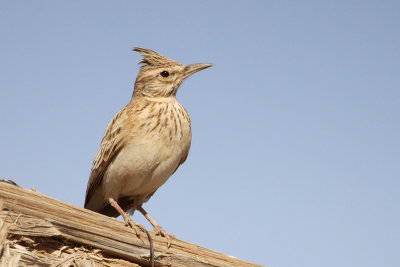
(156, 146)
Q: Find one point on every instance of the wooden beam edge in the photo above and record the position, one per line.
(92, 229)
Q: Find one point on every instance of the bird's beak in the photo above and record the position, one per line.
(193, 68)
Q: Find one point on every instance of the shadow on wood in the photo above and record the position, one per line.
(42, 231)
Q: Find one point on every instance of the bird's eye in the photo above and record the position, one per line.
(164, 73)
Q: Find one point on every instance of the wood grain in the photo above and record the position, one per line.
(29, 217)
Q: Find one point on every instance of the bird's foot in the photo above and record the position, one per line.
(128, 220)
(159, 231)
(135, 226)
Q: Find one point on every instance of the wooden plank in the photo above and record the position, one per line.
(31, 214)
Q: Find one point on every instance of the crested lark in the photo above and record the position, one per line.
(144, 143)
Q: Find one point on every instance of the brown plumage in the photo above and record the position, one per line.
(144, 143)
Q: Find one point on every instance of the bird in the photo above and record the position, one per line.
(144, 144)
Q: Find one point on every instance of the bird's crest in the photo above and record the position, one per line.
(152, 58)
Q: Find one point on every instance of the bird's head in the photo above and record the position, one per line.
(160, 76)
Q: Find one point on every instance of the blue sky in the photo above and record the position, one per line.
(296, 149)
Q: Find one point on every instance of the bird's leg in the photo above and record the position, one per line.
(134, 226)
(128, 220)
(157, 228)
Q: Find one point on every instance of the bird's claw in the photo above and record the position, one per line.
(159, 231)
(135, 226)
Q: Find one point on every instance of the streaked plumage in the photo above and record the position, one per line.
(145, 142)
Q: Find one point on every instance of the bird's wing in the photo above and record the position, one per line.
(110, 146)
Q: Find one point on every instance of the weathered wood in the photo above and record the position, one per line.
(32, 220)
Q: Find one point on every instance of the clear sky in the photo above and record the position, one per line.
(295, 159)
